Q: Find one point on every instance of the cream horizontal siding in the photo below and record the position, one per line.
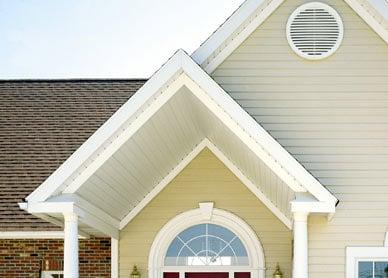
(204, 179)
(332, 115)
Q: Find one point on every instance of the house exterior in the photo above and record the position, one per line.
(265, 149)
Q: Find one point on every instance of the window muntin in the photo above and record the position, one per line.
(372, 269)
(206, 245)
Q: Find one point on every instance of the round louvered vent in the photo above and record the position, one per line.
(314, 31)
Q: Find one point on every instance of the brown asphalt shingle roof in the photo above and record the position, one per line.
(42, 122)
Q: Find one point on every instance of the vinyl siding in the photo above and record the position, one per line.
(204, 179)
(332, 115)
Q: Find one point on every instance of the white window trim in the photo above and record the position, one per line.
(48, 273)
(356, 254)
(198, 216)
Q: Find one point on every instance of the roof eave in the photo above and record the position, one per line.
(255, 136)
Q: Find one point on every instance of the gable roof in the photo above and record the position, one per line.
(179, 73)
(42, 122)
(252, 13)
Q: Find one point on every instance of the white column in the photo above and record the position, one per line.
(114, 249)
(300, 264)
(71, 245)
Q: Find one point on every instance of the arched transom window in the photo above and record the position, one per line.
(206, 245)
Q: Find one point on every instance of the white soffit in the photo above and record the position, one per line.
(178, 76)
(252, 13)
(182, 125)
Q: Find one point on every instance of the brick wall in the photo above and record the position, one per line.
(26, 258)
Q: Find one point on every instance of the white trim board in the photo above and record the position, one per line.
(230, 165)
(179, 71)
(249, 16)
(34, 235)
(356, 254)
(133, 114)
(105, 134)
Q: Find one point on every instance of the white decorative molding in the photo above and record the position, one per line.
(206, 210)
(193, 217)
(221, 44)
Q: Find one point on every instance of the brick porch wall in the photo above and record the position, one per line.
(27, 257)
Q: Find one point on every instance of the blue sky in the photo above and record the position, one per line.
(101, 38)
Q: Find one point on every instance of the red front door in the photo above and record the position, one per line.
(206, 275)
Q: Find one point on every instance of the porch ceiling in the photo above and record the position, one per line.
(151, 138)
(154, 151)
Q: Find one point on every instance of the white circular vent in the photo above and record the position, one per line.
(314, 31)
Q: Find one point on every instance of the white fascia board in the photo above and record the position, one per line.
(225, 30)
(256, 137)
(230, 165)
(113, 133)
(234, 125)
(363, 12)
(230, 46)
(34, 235)
(124, 136)
(381, 6)
(221, 40)
(55, 182)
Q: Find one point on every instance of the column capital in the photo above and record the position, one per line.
(300, 216)
(70, 216)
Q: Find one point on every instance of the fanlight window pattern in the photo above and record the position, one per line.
(314, 31)
(206, 245)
